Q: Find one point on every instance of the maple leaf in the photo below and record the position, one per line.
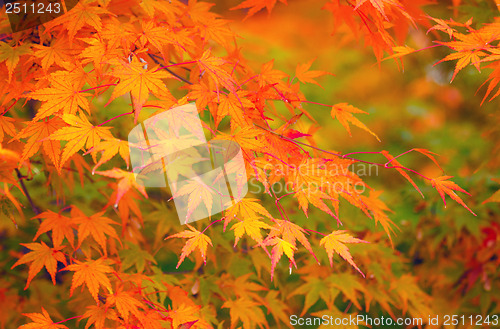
(134, 255)
(6, 127)
(63, 95)
(184, 314)
(93, 274)
(97, 315)
(395, 163)
(137, 80)
(441, 25)
(125, 303)
(213, 66)
(198, 192)
(378, 208)
(304, 75)
(314, 196)
(251, 226)
(11, 54)
(234, 105)
(444, 186)
(109, 148)
(255, 6)
(270, 76)
(9, 160)
(159, 37)
(40, 256)
(290, 232)
(245, 208)
(196, 240)
(82, 14)
(36, 132)
(81, 133)
(246, 311)
(379, 5)
(56, 53)
(246, 138)
(344, 113)
(61, 227)
(314, 289)
(127, 181)
(95, 225)
(280, 246)
(277, 307)
(470, 48)
(42, 321)
(335, 243)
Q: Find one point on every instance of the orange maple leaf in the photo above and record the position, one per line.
(84, 13)
(380, 4)
(11, 54)
(81, 133)
(139, 81)
(42, 321)
(444, 186)
(125, 303)
(196, 240)
(95, 225)
(304, 75)
(61, 227)
(255, 6)
(234, 105)
(127, 181)
(63, 95)
(335, 243)
(93, 274)
(344, 113)
(36, 132)
(469, 49)
(40, 256)
(6, 127)
(213, 66)
(97, 315)
(57, 52)
(395, 163)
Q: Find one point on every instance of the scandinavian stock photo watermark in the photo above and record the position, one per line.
(374, 322)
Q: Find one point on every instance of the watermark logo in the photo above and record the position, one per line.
(25, 14)
(205, 178)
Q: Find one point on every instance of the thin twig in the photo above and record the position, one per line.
(26, 193)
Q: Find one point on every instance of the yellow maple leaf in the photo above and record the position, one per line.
(81, 133)
(335, 243)
(196, 240)
(251, 226)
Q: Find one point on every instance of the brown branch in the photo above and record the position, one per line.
(21, 178)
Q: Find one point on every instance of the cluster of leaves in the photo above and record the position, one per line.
(66, 86)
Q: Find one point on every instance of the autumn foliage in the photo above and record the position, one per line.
(85, 245)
